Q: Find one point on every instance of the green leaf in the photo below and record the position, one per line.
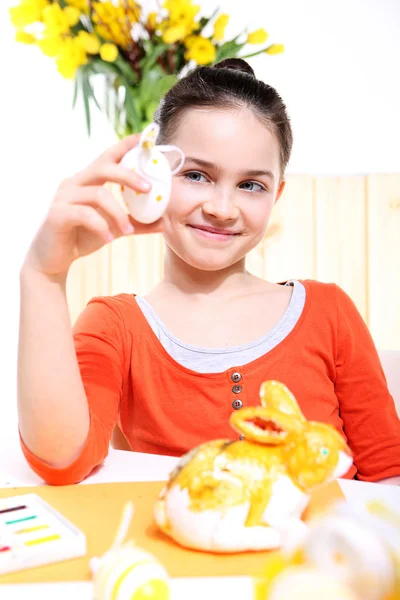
(118, 81)
(205, 20)
(146, 87)
(152, 89)
(150, 59)
(117, 114)
(136, 102)
(76, 86)
(107, 92)
(131, 115)
(150, 110)
(90, 90)
(126, 70)
(163, 85)
(228, 50)
(86, 98)
(104, 68)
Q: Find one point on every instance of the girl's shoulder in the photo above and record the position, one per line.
(327, 291)
(108, 311)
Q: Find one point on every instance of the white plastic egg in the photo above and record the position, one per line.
(129, 573)
(149, 161)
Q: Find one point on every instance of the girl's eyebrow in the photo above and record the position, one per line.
(209, 165)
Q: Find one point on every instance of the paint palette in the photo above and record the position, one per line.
(32, 533)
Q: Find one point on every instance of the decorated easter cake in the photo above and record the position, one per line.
(250, 493)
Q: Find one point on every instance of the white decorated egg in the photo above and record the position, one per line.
(129, 573)
(148, 160)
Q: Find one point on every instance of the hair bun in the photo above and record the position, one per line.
(237, 64)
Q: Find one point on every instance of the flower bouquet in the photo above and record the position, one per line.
(138, 55)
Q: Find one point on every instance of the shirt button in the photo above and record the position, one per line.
(237, 389)
(236, 377)
(237, 404)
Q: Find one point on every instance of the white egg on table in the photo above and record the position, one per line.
(129, 573)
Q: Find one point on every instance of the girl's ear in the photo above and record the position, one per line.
(274, 394)
(264, 425)
(280, 190)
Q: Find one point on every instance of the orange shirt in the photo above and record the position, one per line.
(328, 361)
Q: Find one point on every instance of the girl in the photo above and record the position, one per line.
(170, 367)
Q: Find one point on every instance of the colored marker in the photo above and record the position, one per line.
(50, 538)
(30, 529)
(12, 509)
(21, 520)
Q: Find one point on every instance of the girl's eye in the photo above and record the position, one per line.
(249, 186)
(195, 176)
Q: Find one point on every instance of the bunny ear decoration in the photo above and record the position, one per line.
(274, 394)
(264, 425)
(148, 143)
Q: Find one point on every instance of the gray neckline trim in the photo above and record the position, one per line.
(297, 289)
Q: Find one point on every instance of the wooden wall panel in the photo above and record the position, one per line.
(383, 223)
(341, 245)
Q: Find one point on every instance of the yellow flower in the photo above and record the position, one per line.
(181, 14)
(101, 11)
(275, 49)
(201, 50)
(103, 32)
(51, 45)
(81, 5)
(89, 42)
(109, 52)
(131, 9)
(190, 40)
(73, 15)
(55, 19)
(72, 56)
(179, 9)
(24, 38)
(27, 12)
(174, 33)
(112, 23)
(219, 27)
(152, 21)
(257, 37)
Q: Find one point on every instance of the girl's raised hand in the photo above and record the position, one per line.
(84, 215)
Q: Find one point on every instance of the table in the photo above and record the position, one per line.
(134, 466)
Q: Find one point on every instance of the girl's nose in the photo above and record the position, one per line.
(221, 205)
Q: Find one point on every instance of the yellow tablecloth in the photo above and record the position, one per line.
(96, 510)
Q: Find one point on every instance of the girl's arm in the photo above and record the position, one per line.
(371, 423)
(69, 381)
(52, 405)
(58, 425)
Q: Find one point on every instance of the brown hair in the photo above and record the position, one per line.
(230, 83)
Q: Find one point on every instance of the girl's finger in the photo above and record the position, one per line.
(65, 217)
(100, 198)
(116, 152)
(140, 228)
(109, 172)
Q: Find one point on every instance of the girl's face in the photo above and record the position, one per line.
(223, 196)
